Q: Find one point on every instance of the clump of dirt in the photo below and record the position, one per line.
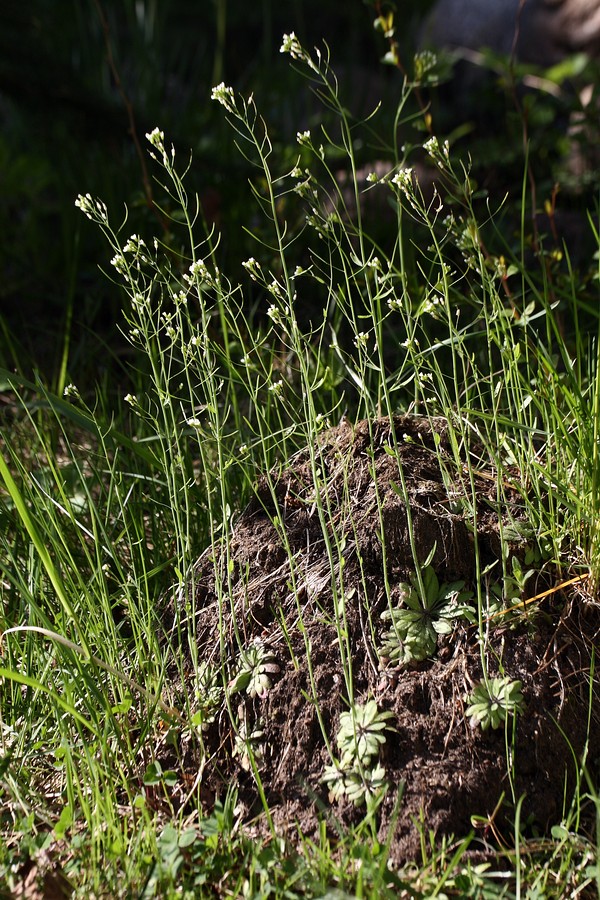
(389, 491)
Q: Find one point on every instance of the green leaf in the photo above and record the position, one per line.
(81, 418)
(240, 682)
(491, 702)
(65, 821)
(56, 698)
(153, 774)
(431, 585)
(189, 837)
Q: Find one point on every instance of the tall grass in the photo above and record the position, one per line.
(106, 510)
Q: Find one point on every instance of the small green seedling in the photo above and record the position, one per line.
(256, 667)
(360, 737)
(249, 746)
(209, 695)
(360, 734)
(492, 701)
(357, 786)
(426, 610)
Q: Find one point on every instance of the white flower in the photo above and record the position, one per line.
(292, 45)
(194, 422)
(252, 267)
(410, 344)
(361, 339)
(157, 139)
(197, 271)
(441, 155)
(85, 204)
(432, 146)
(119, 263)
(134, 244)
(224, 95)
(303, 137)
(277, 387)
(275, 288)
(93, 209)
(403, 179)
(131, 399)
(71, 391)
(274, 314)
(430, 305)
(303, 189)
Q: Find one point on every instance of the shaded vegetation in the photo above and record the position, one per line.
(299, 545)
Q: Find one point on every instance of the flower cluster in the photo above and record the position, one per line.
(119, 263)
(431, 305)
(156, 137)
(197, 272)
(93, 209)
(225, 96)
(134, 245)
(404, 179)
(292, 45)
(277, 388)
(439, 154)
(274, 314)
(252, 267)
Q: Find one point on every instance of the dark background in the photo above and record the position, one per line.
(80, 79)
(66, 128)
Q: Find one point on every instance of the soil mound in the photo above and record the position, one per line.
(304, 565)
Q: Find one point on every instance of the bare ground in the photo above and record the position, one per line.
(446, 769)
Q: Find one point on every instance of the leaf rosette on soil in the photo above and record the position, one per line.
(312, 588)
